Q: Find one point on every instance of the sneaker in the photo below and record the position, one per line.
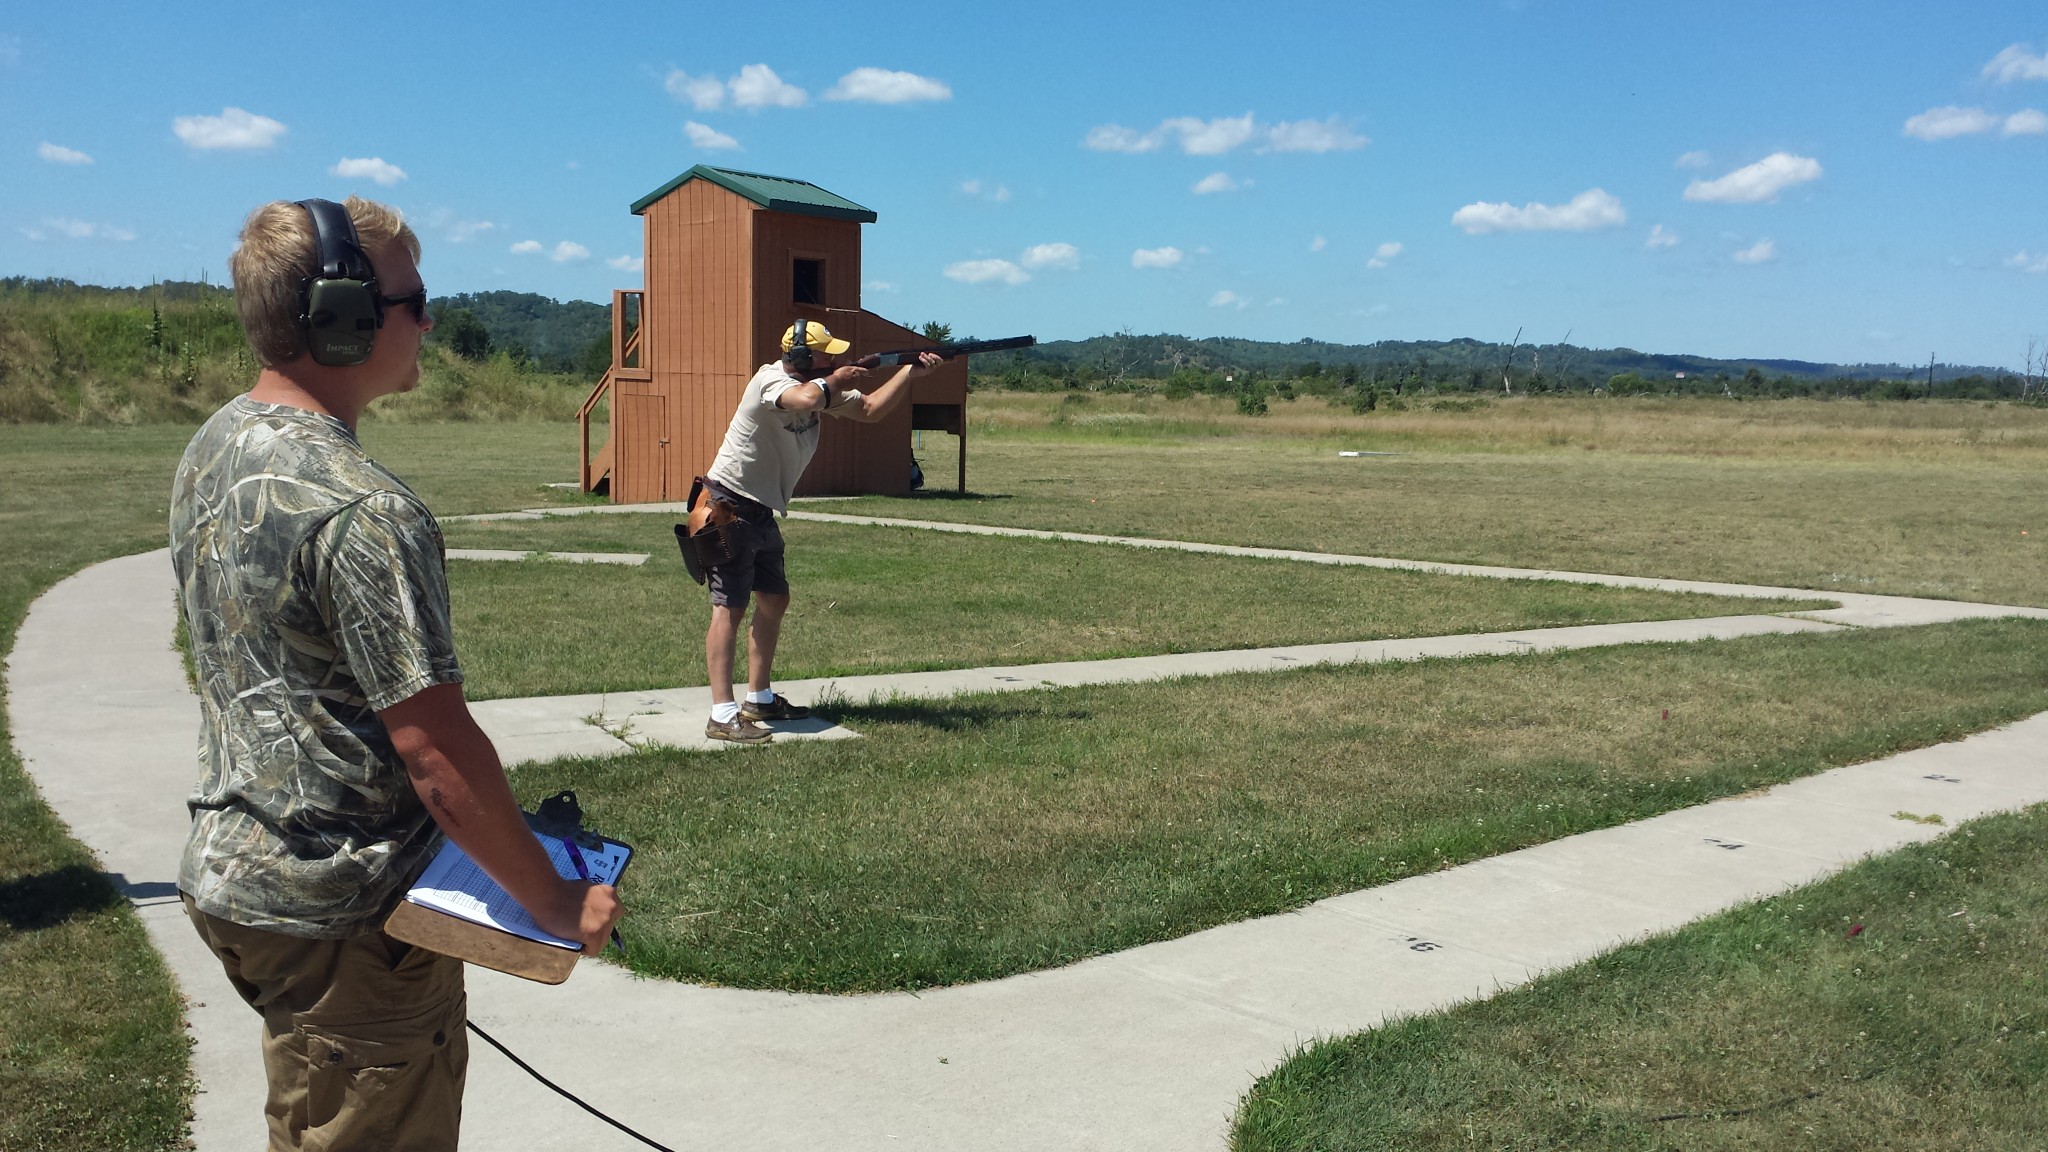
(777, 709)
(740, 731)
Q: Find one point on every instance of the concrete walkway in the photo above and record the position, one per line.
(1145, 1049)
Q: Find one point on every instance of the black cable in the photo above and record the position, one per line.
(564, 1092)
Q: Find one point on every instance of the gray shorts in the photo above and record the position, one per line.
(757, 569)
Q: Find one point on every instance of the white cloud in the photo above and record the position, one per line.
(1227, 298)
(2027, 122)
(1318, 244)
(526, 248)
(1157, 257)
(1115, 138)
(2029, 262)
(2016, 63)
(1384, 254)
(1757, 253)
(1946, 123)
(1332, 135)
(1762, 180)
(1000, 193)
(1192, 134)
(1694, 159)
(1198, 137)
(1591, 209)
(1209, 137)
(881, 286)
(986, 272)
(1216, 182)
(66, 228)
(1055, 255)
(881, 86)
(463, 231)
(1659, 238)
(368, 168)
(58, 154)
(627, 263)
(757, 86)
(705, 136)
(569, 250)
(703, 92)
(232, 129)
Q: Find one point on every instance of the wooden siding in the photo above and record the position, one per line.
(700, 272)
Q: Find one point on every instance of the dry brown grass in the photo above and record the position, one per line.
(1806, 429)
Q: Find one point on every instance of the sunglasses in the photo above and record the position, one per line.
(416, 302)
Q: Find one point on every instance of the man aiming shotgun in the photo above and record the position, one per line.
(772, 437)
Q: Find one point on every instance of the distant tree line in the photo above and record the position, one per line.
(1367, 376)
(530, 330)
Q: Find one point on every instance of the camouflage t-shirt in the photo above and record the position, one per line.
(312, 584)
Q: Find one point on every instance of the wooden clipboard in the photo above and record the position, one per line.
(490, 946)
(482, 944)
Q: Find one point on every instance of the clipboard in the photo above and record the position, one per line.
(453, 908)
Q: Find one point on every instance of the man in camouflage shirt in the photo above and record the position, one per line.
(335, 742)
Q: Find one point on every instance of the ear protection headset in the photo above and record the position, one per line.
(799, 354)
(339, 309)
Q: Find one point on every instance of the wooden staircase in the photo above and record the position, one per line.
(594, 474)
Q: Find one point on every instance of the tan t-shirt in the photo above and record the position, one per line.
(313, 587)
(767, 448)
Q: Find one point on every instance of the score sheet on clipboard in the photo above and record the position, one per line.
(455, 885)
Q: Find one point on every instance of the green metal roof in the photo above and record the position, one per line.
(775, 193)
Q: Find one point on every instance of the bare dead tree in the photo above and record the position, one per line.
(1508, 366)
(1120, 357)
(1564, 354)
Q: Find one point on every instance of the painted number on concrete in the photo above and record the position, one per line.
(1416, 944)
(1730, 845)
(1940, 777)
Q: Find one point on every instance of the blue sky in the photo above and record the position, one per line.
(1848, 182)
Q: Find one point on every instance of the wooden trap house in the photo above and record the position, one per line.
(732, 260)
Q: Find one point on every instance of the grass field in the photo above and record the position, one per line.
(975, 837)
(1767, 1027)
(898, 599)
(1909, 499)
(1923, 499)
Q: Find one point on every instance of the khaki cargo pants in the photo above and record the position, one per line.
(362, 1037)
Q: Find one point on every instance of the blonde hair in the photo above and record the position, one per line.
(278, 253)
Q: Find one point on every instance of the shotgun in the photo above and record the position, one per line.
(902, 356)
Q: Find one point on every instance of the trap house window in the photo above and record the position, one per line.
(807, 281)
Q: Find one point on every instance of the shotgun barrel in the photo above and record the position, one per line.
(901, 356)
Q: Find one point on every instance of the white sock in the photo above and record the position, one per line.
(725, 713)
(764, 696)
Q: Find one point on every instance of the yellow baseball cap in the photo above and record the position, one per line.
(815, 338)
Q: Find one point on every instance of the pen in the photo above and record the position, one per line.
(583, 874)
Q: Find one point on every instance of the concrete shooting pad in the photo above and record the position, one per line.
(1144, 1049)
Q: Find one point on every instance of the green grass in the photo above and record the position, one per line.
(1918, 500)
(92, 1048)
(1767, 1027)
(971, 838)
(900, 599)
(1084, 837)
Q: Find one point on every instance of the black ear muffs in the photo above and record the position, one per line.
(799, 356)
(338, 309)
